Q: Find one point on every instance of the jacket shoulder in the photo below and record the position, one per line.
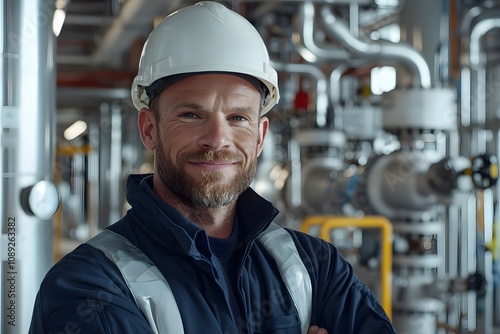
(85, 291)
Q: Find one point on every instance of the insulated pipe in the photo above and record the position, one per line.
(473, 17)
(123, 30)
(405, 54)
(321, 86)
(479, 91)
(476, 56)
(336, 75)
(303, 39)
(472, 31)
(477, 115)
(335, 92)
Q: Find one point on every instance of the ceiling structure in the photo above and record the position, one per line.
(98, 50)
(99, 46)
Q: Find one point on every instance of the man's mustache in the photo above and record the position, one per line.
(210, 156)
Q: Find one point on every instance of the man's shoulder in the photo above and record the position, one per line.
(86, 289)
(83, 267)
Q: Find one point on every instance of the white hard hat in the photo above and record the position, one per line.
(205, 37)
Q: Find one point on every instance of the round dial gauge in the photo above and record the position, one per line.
(43, 199)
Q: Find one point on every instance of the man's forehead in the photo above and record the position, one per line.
(161, 84)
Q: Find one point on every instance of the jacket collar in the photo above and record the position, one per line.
(170, 228)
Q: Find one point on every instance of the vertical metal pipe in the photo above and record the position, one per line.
(471, 259)
(453, 240)
(321, 86)
(354, 19)
(421, 28)
(296, 172)
(486, 259)
(115, 170)
(93, 178)
(496, 256)
(104, 164)
(465, 101)
(27, 102)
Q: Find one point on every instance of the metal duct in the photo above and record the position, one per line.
(476, 23)
(476, 56)
(473, 16)
(321, 86)
(335, 76)
(28, 199)
(473, 78)
(335, 89)
(304, 42)
(366, 49)
(134, 15)
(474, 114)
(306, 46)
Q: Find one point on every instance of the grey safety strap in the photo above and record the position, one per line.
(150, 289)
(279, 243)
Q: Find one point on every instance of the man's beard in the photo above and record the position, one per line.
(208, 192)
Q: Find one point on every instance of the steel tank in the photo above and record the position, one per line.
(29, 199)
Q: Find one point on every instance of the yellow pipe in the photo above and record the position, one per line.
(311, 221)
(328, 223)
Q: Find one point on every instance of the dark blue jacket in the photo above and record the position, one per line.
(85, 293)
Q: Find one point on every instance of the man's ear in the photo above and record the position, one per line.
(147, 128)
(263, 126)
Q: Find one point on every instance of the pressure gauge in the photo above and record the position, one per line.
(43, 199)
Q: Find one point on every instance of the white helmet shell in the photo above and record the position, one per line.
(205, 37)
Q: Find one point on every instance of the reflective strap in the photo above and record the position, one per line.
(150, 289)
(279, 243)
(154, 297)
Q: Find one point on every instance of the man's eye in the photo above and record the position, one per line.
(188, 115)
(238, 118)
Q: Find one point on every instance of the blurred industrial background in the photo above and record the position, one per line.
(385, 141)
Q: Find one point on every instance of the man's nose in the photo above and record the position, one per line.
(216, 134)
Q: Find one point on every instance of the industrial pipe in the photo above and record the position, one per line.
(327, 223)
(303, 39)
(321, 85)
(402, 53)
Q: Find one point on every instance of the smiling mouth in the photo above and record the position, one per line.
(213, 165)
(212, 160)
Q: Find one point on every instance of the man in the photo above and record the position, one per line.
(198, 252)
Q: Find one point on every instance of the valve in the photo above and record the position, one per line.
(483, 171)
(480, 172)
(474, 282)
(446, 175)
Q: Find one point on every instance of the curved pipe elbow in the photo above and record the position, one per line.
(405, 54)
(303, 39)
(413, 60)
(340, 31)
(476, 36)
(321, 85)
